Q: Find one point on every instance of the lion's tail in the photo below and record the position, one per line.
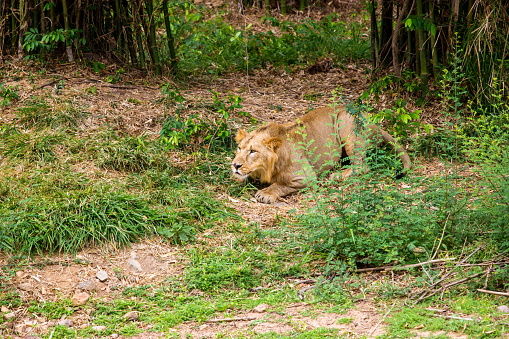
(402, 153)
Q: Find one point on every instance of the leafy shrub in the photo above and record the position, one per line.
(211, 133)
(443, 143)
(8, 94)
(368, 222)
(214, 46)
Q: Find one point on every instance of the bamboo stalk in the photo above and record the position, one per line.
(394, 43)
(154, 52)
(68, 45)
(493, 292)
(170, 39)
(423, 67)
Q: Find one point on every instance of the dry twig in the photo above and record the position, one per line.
(493, 292)
(226, 320)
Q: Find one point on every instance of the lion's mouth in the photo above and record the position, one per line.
(240, 176)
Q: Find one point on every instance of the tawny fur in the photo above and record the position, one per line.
(284, 155)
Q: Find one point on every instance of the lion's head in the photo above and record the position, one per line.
(257, 153)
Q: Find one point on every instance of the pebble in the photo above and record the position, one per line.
(80, 298)
(99, 328)
(134, 265)
(88, 285)
(261, 308)
(65, 322)
(132, 316)
(503, 309)
(26, 287)
(9, 316)
(102, 276)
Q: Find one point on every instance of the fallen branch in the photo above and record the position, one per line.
(381, 320)
(394, 268)
(493, 292)
(301, 292)
(429, 293)
(451, 317)
(227, 320)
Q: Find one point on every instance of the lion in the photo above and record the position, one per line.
(286, 155)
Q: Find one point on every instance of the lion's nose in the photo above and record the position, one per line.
(237, 166)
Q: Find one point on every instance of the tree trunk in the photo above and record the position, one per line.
(374, 36)
(423, 67)
(395, 46)
(154, 52)
(386, 32)
(68, 42)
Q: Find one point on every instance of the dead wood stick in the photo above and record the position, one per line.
(461, 262)
(380, 321)
(429, 293)
(493, 292)
(394, 268)
(457, 282)
(451, 317)
(226, 320)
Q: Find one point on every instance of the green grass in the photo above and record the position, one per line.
(481, 311)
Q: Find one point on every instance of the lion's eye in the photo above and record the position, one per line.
(252, 151)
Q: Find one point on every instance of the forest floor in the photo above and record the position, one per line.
(132, 107)
(43, 279)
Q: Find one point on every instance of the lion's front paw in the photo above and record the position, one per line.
(265, 198)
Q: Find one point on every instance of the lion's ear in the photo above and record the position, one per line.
(241, 134)
(273, 143)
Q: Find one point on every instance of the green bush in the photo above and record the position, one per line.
(367, 220)
(214, 46)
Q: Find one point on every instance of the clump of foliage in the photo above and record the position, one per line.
(215, 46)
(369, 221)
(211, 131)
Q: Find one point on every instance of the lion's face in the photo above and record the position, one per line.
(256, 155)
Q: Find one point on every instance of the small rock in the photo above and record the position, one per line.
(4, 309)
(132, 316)
(80, 299)
(27, 287)
(65, 322)
(503, 309)
(114, 335)
(9, 316)
(261, 308)
(102, 276)
(20, 274)
(134, 265)
(88, 285)
(99, 328)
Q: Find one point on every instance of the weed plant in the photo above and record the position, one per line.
(367, 220)
(214, 46)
